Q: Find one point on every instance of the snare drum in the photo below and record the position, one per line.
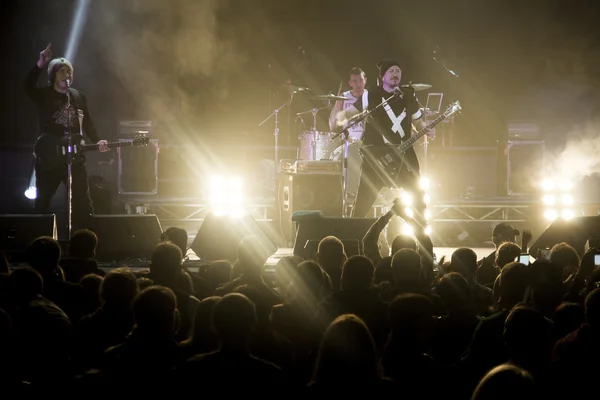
(315, 145)
(354, 164)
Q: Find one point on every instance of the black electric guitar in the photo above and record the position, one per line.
(51, 151)
(387, 160)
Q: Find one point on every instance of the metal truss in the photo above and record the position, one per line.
(190, 209)
(196, 209)
(474, 211)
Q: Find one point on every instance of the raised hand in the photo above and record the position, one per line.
(45, 56)
(525, 239)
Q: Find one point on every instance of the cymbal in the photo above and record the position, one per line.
(417, 87)
(328, 97)
(313, 111)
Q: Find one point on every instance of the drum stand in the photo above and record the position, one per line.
(314, 112)
(276, 130)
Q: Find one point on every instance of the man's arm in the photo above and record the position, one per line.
(88, 124)
(30, 85)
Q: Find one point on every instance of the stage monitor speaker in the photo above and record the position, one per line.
(317, 227)
(315, 192)
(219, 237)
(576, 232)
(18, 230)
(125, 236)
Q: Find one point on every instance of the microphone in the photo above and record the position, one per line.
(68, 81)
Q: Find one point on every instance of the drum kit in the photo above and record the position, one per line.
(315, 145)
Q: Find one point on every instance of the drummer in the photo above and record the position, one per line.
(357, 82)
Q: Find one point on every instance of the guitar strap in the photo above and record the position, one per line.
(396, 120)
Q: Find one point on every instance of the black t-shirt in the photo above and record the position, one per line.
(51, 108)
(380, 128)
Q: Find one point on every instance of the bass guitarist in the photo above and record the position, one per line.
(51, 104)
(389, 124)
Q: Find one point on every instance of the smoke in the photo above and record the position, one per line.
(169, 56)
(580, 156)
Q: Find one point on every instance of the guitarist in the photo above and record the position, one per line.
(51, 102)
(389, 124)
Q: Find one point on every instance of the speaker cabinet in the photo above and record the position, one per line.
(464, 171)
(522, 157)
(315, 228)
(576, 232)
(314, 192)
(219, 237)
(122, 237)
(138, 169)
(18, 230)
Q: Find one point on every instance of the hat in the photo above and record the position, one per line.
(384, 65)
(505, 229)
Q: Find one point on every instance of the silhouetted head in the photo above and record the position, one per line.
(357, 273)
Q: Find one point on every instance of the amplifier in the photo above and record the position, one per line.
(138, 169)
(318, 167)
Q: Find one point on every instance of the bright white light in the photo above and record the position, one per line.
(565, 185)
(426, 198)
(227, 196)
(567, 214)
(549, 199)
(427, 215)
(31, 193)
(409, 212)
(428, 230)
(548, 185)
(407, 230)
(406, 199)
(424, 183)
(550, 215)
(567, 200)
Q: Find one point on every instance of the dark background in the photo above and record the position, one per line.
(208, 72)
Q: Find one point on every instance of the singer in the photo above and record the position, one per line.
(51, 105)
(389, 124)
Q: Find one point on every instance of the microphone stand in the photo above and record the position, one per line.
(69, 155)
(355, 120)
(276, 131)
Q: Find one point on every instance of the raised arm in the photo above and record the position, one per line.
(32, 77)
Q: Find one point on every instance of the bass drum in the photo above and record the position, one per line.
(354, 165)
(315, 145)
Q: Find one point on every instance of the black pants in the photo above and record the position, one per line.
(370, 185)
(47, 181)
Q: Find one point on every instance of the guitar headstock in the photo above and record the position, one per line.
(453, 109)
(140, 140)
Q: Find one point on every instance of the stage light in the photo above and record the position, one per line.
(427, 215)
(409, 212)
(557, 194)
(548, 185)
(406, 199)
(550, 215)
(567, 214)
(567, 200)
(426, 198)
(549, 199)
(428, 230)
(31, 193)
(407, 230)
(227, 196)
(424, 183)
